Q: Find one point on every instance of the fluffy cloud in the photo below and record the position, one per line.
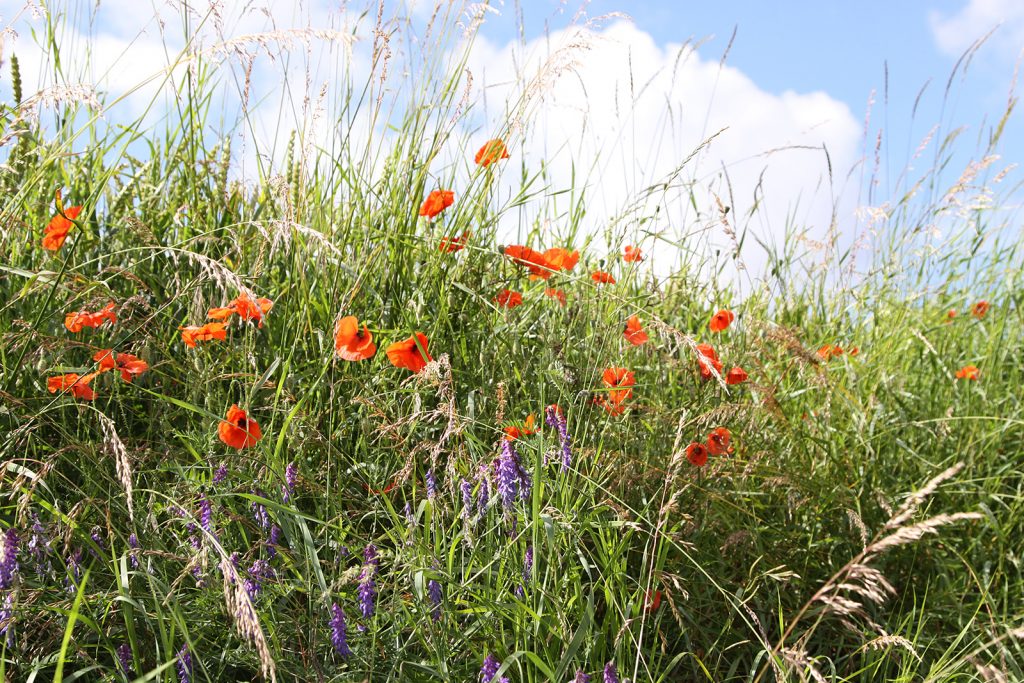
(955, 32)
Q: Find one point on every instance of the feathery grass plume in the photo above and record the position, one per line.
(243, 614)
(114, 446)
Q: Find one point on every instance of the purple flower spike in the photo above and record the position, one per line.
(484, 496)
(611, 674)
(259, 511)
(581, 677)
(339, 630)
(436, 595)
(39, 548)
(206, 513)
(184, 665)
(367, 586)
(259, 572)
(508, 474)
(8, 559)
(467, 498)
(431, 485)
(555, 418)
(489, 669)
(124, 658)
(221, 474)
(291, 477)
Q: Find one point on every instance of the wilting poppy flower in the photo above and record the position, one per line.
(436, 202)
(531, 258)
(351, 343)
(652, 601)
(74, 322)
(602, 278)
(508, 298)
(246, 308)
(697, 454)
(706, 360)
(634, 331)
(736, 376)
(514, 432)
(621, 382)
(128, 365)
(450, 245)
(829, 351)
(969, 372)
(74, 384)
(238, 430)
(58, 228)
(555, 294)
(558, 258)
(208, 332)
(493, 150)
(721, 320)
(718, 441)
(632, 254)
(979, 309)
(406, 354)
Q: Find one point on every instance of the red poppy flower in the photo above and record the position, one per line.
(74, 322)
(652, 601)
(950, 314)
(854, 351)
(634, 331)
(721, 320)
(129, 366)
(531, 258)
(968, 372)
(514, 432)
(706, 360)
(508, 298)
(436, 202)
(736, 376)
(602, 278)
(829, 351)
(632, 254)
(697, 454)
(621, 381)
(58, 228)
(718, 441)
(351, 343)
(238, 430)
(246, 308)
(492, 151)
(555, 294)
(450, 245)
(558, 258)
(979, 309)
(74, 384)
(208, 332)
(406, 354)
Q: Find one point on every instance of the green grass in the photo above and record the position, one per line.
(826, 453)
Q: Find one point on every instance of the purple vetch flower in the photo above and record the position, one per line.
(370, 555)
(8, 558)
(490, 669)
(97, 537)
(133, 554)
(343, 551)
(431, 485)
(339, 630)
(259, 511)
(581, 677)
(513, 481)
(484, 495)
(39, 548)
(611, 674)
(555, 418)
(259, 572)
(436, 595)
(205, 513)
(7, 617)
(221, 474)
(184, 665)
(467, 498)
(74, 565)
(527, 571)
(124, 658)
(291, 477)
(273, 541)
(367, 586)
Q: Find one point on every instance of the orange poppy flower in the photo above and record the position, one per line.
(74, 322)
(602, 278)
(979, 309)
(555, 294)
(58, 228)
(968, 372)
(697, 454)
(493, 150)
(632, 254)
(718, 441)
(736, 376)
(238, 430)
(450, 245)
(531, 258)
(829, 351)
(721, 320)
(74, 384)
(558, 258)
(707, 359)
(514, 432)
(621, 382)
(652, 601)
(351, 343)
(406, 354)
(129, 366)
(246, 308)
(950, 314)
(208, 332)
(634, 331)
(854, 351)
(508, 298)
(610, 407)
(436, 202)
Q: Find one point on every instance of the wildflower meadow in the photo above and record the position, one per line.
(390, 403)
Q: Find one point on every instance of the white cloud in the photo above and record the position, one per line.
(956, 32)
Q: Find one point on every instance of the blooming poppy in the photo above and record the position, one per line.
(634, 331)
(493, 150)
(73, 383)
(632, 254)
(238, 430)
(128, 365)
(706, 360)
(208, 332)
(950, 314)
(246, 308)
(736, 375)
(602, 278)
(718, 441)
(610, 407)
(58, 228)
(555, 294)
(829, 351)
(77, 320)
(531, 258)
(406, 353)
(450, 245)
(721, 320)
(968, 372)
(979, 309)
(436, 202)
(351, 343)
(513, 432)
(697, 454)
(508, 298)
(558, 258)
(652, 601)
(621, 382)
